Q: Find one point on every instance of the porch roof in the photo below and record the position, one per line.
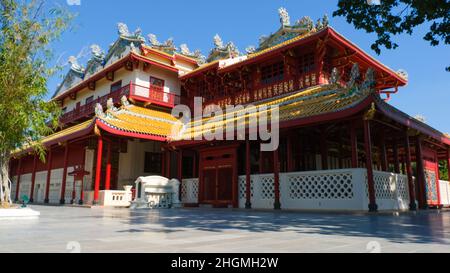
(138, 122)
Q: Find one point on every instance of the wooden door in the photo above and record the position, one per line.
(431, 169)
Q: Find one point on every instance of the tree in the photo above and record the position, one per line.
(27, 29)
(392, 17)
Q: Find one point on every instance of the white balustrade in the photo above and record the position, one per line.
(189, 191)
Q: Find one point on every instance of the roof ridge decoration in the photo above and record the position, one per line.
(75, 75)
(288, 31)
(96, 61)
(126, 41)
(168, 46)
(197, 54)
(221, 51)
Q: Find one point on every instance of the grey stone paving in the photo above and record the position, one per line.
(206, 230)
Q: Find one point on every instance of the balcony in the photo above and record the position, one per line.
(150, 95)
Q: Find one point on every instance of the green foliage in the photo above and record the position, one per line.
(443, 170)
(26, 30)
(393, 17)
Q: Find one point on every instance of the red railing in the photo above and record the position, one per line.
(153, 95)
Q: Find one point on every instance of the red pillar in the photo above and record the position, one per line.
(108, 168)
(421, 180)
(409, 173)
(276, 173)
(19, 173)
(98, 170)
(373, 207)
(354, 144)
(33, 179)
(248, 193)
(396, 157)
(82, 181)
(49, 174)
(62, 200)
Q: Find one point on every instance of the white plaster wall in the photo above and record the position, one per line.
(172, 84)
(89, 166)
(102, 88)
(131, 164)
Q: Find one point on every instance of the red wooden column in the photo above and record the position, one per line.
(409, 173)
(83, 163)
(396, 156)
(19, 173)
(373, 207)
(62, 200)
(354, 145)
(276, 173)
(98, 170)
(248, 193)
(49, 175)
(421, 180)
(108, 168)
(33, 179)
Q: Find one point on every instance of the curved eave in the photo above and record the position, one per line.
(148, 60)
(102, 125)
(371, 60)
(410, 122)
(85, 129)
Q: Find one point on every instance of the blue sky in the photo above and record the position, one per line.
(195, 22)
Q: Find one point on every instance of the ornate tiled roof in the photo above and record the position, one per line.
(136, 120)
(314, 101)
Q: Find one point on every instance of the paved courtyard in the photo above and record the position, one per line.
(66, 229)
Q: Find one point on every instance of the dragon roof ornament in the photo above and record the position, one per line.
(221, 51)
(288, 31)
(168, 46)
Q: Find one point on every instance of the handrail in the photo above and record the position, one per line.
(152, 94)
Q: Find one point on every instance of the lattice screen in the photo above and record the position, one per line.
(324, 186)
(189, 191)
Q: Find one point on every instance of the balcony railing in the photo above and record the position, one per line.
(153, 95)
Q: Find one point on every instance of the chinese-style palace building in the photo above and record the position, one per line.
(342, 145)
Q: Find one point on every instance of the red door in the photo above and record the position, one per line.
(431, 168)
(218, 177)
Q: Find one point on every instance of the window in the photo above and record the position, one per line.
(156, 84)
(152, 163)
(116, 86)
(90, 99)
(307, 63)
(272, 73)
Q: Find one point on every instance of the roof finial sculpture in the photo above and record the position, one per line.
(354, 75)
(185, 50)
(250, 49)
(285, 20)
(325, 21)
(402, 73)
(306, 22)
(124, 101)
(218, 43)
(74, 63)
(110, 105)
(319, 24)
(97, 52)
(335, 77)
(153, 40)
(99, 111)
(369, 80)
(122, 29)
